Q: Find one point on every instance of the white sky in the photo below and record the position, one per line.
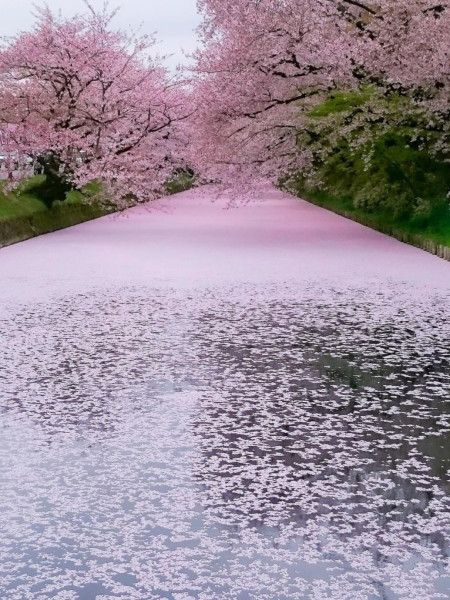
(173, 20)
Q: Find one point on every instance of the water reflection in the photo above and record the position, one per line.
(248, 443)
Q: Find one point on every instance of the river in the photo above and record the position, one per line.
(210, 400)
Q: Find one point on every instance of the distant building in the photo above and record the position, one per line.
(12, 164)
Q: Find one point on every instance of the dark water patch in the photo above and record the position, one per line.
(257, 443)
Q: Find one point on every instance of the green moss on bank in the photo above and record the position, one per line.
(26, 212)
(180, 182)
(434, 226)
(432, 235)
(23, 215)
(378, 159)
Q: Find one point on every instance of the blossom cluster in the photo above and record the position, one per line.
(94, 98)
(264, 64)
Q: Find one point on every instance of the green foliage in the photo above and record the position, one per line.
(433, 225)
(396, 177)
(180, 182)
(339, 102)
(26, 211)
(379, 156)
(55, 185)
(21, 201)
(23, 214)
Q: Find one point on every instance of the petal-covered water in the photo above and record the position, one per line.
(280, 436)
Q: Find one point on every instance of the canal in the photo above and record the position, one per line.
(209, 401)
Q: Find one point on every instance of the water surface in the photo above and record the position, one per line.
(213, 405)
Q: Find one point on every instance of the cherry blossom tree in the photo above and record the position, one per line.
(93, 102)
(265, 63)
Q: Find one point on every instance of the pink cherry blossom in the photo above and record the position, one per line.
(265, 63)
(95, 98)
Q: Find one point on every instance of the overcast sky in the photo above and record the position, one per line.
(173, 20)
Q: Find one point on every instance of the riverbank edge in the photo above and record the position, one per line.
(70, 212)
(24, 227)
(21, 228)
(412, 239)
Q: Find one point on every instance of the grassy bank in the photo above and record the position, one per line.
(24, 215)
(25, 212)
(379, 159)
(430, 232)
